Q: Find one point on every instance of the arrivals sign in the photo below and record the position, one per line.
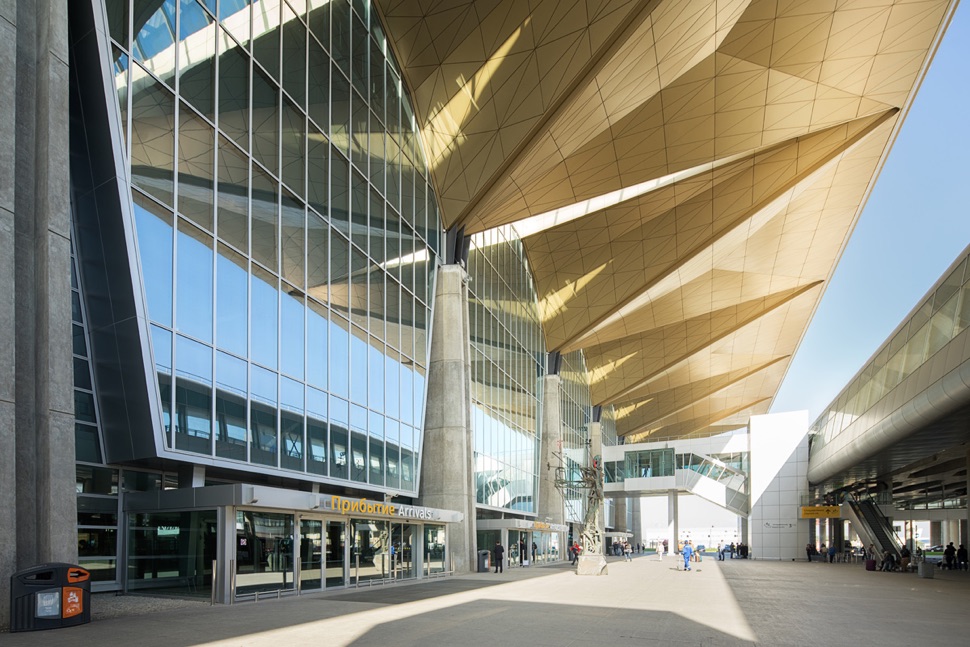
(820, 512)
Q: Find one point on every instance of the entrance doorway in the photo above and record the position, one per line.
(336, 555)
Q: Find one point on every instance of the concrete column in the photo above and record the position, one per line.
(447, 474)
(936, 533)
(952, 532)
(551, 503)
(636, 525)
(38, 506)
(673, 520)
(620, 514)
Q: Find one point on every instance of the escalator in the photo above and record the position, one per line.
(872, 526)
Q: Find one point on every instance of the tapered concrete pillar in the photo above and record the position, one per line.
(551, 502)
(620, 514)
(447, 469)
(38, 505)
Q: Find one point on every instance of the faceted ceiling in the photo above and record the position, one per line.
(684, 174)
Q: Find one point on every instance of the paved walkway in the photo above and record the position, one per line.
(644, 602)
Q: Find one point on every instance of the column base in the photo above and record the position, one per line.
(591, 565)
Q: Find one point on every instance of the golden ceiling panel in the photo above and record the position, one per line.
(685, 174)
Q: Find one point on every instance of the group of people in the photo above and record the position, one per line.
(498, 554)
(955, 558)
(732, 549)
(619, 547)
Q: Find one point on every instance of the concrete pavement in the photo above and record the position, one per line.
(643, 602)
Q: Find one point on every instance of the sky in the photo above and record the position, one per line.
(915, 223)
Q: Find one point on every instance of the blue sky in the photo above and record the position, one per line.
(915, 223)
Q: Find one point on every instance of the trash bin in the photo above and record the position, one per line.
(50, 596)
(925, 569)
(484, 561)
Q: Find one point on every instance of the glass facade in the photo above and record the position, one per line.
(507, 357)
(575, 409)
(287, 232)
(942, 316)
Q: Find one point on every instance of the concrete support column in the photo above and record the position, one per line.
(620, 514)
(936, 533)
(38, 506)
(952, 532)
(551, 503)
(673, 521)
(636, 524)
(447, 474)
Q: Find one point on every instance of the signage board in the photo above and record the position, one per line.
(820, 512)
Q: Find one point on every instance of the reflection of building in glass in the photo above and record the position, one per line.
(507, 351)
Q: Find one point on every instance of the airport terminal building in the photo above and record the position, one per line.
(299, 294)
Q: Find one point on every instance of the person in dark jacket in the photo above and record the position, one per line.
(497, 554)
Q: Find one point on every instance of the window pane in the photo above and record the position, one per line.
(264, 317)
(294, 148)
(234, 92)
(291, 435)
(266, 35)
(265, 218)
(152, 137)
(317, 257)
(262, 424)
(233, 211)
(291, 339)
(294, 56)
(194, 303)
(292, 239)
(196, 169)
(198, 56)
(265, 121)
(318, 91)
(339, 111)
(154, 225)
(339, 356)
(316, 352)
(231, 301)
(340, 34)
(153, 42)
(193, 396)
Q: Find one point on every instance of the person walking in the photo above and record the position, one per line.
(687, 551)
(497, 554)
(950, 555)
(660, 551)
(627, 551)
(962, 558)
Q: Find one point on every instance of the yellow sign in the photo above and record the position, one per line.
(820, 512)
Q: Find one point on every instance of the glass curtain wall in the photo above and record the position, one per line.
(96, 487)
(508, 353)
(941, 317)
(286, 229)
(575, 409)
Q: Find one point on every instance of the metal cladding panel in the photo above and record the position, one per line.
(111, 287)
